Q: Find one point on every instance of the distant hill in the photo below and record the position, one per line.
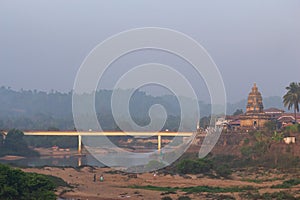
(269, 102)
(27, 109)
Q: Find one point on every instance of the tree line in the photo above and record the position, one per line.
(292, 98)
(38, 110)
(15, 144)
(16, 184)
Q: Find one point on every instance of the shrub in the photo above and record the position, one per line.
(15, 184)
(246, 141)
(288, 183)
(14, 144)
(246, 151)
(292, 129)
(166, 198)
(194, 166)
(268, 196)
(278, 195)
(223, 171)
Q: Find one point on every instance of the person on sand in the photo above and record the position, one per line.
(94, 177)
(101, 178)
(154, 175)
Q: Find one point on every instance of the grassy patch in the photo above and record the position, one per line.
(288, 183)
(196, 189)
(260, 180)
(151, 187)
(268, 196)
(210, 189)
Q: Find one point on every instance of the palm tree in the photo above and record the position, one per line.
(292, 97)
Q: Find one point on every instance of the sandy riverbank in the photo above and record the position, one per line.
(115, 185)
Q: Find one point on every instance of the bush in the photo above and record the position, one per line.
(292, 129)
(246, 141)
(268, 196)
(270, 126)
(166, 198)
(288, 183)
(188, 166)
(246, 151)
(278, 195)
(14, 144)
(15, 184)
(223, 171)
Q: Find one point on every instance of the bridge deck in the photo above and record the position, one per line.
(74, 133)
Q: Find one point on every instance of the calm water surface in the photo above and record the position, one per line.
(61, 161)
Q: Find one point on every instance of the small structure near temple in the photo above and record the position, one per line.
(290, 140)
(255, 117)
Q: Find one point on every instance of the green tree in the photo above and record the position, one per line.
(277, 137)
(190, 166)
(15, 184)
(238, 112)
(223, 170)
(204, 122)
(270, 126)
(14, 144)
(1, 139)
(292, 98)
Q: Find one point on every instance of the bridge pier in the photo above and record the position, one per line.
(158, 142)
(79, 161)
(79, 144)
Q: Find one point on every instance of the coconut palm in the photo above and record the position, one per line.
(292, 97)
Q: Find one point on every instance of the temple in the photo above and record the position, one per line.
(255, 117)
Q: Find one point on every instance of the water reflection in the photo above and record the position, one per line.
(59, 161)
(77, 160)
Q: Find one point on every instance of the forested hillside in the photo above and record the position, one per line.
(38, 110)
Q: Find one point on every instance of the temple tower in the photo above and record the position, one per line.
(255, 103)
(254, 117)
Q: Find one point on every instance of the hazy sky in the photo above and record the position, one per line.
(43, 43)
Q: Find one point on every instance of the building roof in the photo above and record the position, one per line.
(235, 122)
(288, 116)
(232, 117)
(273, 111)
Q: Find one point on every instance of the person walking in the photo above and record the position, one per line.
(154, 175)
(101, 178)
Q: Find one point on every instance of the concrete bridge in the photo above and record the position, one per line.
(92, 133)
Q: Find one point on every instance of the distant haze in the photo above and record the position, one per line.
(42, 44)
